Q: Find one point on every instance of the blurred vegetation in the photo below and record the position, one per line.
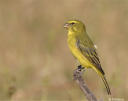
(35, 62)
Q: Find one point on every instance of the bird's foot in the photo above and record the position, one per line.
(78, 72)
(80, 68)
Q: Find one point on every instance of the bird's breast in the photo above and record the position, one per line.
(72, 44)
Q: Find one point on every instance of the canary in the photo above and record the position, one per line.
(83, 49)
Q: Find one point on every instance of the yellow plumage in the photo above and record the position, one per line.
(83, 48)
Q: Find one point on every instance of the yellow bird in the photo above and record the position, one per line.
(83, 48)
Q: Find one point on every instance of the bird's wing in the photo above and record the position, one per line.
(90, 53)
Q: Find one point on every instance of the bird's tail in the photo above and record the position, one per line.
(106, 84)
(104, 80)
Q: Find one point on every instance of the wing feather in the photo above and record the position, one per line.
(91, 54)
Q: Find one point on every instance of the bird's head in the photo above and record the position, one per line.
(74, 26)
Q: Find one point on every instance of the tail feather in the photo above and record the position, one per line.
(102, 75)
(104, 80)
(106, 84)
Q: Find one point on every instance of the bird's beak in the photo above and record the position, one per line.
(66, 25)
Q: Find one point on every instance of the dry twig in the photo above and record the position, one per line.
(78, 77)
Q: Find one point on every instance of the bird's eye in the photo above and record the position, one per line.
(72, 23)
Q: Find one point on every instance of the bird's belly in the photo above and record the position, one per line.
(77, 54)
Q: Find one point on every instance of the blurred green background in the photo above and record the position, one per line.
(35, 62)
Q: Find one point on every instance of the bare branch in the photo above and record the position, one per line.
(78, 77)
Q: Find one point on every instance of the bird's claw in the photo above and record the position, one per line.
(78, 72)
